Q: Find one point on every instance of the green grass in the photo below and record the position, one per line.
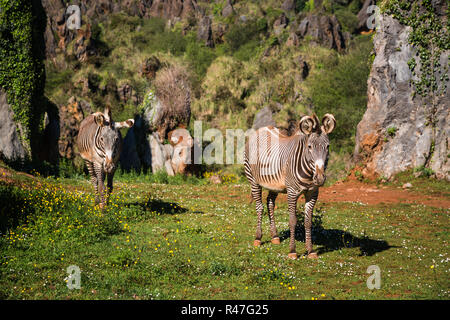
(194, 241)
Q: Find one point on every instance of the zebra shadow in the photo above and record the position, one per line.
(334, 239)
(158, 206)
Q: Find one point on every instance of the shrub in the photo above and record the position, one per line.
(341, 89)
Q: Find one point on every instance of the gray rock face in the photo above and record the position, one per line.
(205, 32)
(11, 147)
(324, 30)
(363, 16)
(263, 118)
(420, 125)
(228, 9)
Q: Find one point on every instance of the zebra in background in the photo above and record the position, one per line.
(294, 165)
(100, 143)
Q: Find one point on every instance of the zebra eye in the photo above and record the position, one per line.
(309, 147)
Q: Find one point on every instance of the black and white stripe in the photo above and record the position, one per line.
(294, 165)
(99, 144)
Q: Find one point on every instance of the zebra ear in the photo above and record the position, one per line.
(107, 113)
(124, 124)
(306, 125)
(99, 119)
(328, 123)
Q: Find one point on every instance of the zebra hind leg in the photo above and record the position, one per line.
(271, 207)
(257, 196)
(109, 185)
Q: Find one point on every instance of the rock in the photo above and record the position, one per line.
(280, 24)
(363, 16)
(170, 105)
(323, 30)
(407, 185)
(392, 104)
(150, 67)
(126, 94)
(292, 40)
(70, 117)
(182, 151)
(418, 174)
(263, 118)
(228, 9)
(215, 179)
(11, 146)
(204, 32)
(158, 153)
(170, 9)
(288, 5)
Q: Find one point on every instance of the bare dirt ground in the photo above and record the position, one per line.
(372, 194)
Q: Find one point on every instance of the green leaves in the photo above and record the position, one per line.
(22, 73)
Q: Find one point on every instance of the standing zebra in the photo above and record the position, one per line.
(294, 165)
(100, 143)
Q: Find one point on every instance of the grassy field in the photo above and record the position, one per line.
(193, 240)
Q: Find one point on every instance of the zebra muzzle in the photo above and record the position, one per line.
(319, 176)
(109, 165)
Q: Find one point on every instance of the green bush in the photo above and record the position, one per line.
(341, 89)
(347, 19)
(240, 34)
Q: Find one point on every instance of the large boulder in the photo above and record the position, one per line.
(11, 146)
(263, 118)
(170, 105)
(323, 30)
(204, 32)
(70, 117)
(401, 129)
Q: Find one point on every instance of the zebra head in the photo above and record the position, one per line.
(317, 144)
(109, 139)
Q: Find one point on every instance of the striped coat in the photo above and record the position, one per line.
(99, 143)
(294, 165)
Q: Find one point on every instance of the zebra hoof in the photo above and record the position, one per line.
(312, 255)
(276, 240)
(257, 243)
(293, 256)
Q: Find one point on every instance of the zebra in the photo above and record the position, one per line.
(288, 164)
(99, 143)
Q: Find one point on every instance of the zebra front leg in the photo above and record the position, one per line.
(94, 181)
(101, 184)
(310, 201)
(257, 196)
(292, 207)
(271, 207)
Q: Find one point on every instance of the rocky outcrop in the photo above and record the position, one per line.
(280, 23)
(11, 147)
(228, 9)
(204, 32)
(149, 67)
(323, 30)
(58, 35)
(70, 117)
(363, 15)
(263, 118)
(401, 130)
(170, 105)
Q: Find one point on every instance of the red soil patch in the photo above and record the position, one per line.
(371, 194)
